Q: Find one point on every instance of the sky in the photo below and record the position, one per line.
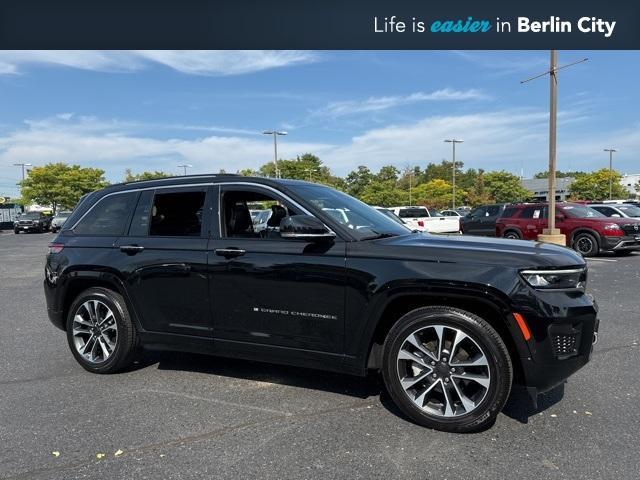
(155, 110)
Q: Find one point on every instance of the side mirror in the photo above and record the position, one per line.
(305, 227)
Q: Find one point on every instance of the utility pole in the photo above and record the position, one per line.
(275, 134)
(552, 234)
(22, 165)
(610, 150)
(453, 142)
(185, 166)
(410, 185)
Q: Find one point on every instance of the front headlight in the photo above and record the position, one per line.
(569, 279)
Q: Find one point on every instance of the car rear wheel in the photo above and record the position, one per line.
(100, 331)
(586, 245)
(447, 369)
(512, 234)
(16, 231)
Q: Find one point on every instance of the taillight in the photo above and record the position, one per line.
(55, 247)
(420, 223)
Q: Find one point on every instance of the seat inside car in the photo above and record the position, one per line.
(238, 220)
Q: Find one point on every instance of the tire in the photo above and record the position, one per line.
(16, 231)
(424, 401)
(512, 234)
(586, 244)
(120, 343)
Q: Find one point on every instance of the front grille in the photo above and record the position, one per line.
(631, 229)
(25, 222)
(565, 340)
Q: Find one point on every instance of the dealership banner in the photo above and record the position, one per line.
(326, 24)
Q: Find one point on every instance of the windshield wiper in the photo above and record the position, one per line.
(377, 235)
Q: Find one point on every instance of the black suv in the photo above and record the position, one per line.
(32, 222)
(450, 322)
(482, 220)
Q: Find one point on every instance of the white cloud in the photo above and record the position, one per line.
(198, 62)
(373, 104)
(508, 139)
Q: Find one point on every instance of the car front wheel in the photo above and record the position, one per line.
(100, 331)
(586, 245)
(447, 369)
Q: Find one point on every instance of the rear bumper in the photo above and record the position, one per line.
(54, 308)
(628, 242)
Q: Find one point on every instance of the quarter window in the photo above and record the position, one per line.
(108, 217)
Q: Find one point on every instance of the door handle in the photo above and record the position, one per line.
(229, 252)
(131, 249)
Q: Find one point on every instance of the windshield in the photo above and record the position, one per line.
(435, 213)
(630, 210)
(31, 215)
(578, 211)
(365, 222)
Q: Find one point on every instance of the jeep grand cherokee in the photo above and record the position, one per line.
(450, 322)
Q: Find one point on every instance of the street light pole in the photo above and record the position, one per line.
(453, 142)
(275, 134)
(185, 166)
(22, 165)
(610, 150)
(551, 234)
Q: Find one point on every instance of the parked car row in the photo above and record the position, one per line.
(39, 222)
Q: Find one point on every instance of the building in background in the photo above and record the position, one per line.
(629, 182)
(539, 188)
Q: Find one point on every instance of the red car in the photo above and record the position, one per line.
(587, 230)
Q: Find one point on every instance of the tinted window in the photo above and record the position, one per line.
(630, 210)
(509, 212)
(493, 210)
(140, 221)
(107, 217)
(413, 213)
(478, 212)
(537, 211)
(177, 214)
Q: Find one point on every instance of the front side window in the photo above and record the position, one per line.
(177, 214)
(478, 212)
(107, 217)
(493, 211)
(268, 211)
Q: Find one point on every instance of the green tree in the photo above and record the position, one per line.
(247, 172)
(504, 187)
(60, 185)
(436, 193)
(384, 194)
(134, 177)
(595, 186)
(388, 173)
(357, 180)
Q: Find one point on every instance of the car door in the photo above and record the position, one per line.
(488, 220)
(270, 290)
(163, 260)
(472, 225)
(533, 221)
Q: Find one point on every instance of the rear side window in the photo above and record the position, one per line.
(177, 214)
(493, 210)
(413, 213)
(533, 212)
(107, 217)
(509, 212)
(140, 221)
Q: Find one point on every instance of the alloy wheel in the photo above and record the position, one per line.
(443, 371)
(584, 245)
(95, 331)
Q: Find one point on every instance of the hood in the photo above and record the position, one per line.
(617, 220)
(478, 250)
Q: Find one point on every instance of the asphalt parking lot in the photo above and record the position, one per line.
(189, 416)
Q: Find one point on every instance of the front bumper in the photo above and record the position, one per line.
(628, 242)
(28, 228)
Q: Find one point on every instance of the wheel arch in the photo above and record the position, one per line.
(510, 228)
(580, 230)
(487, 305)
(79, 281)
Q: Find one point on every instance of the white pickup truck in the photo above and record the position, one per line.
(427, 219)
